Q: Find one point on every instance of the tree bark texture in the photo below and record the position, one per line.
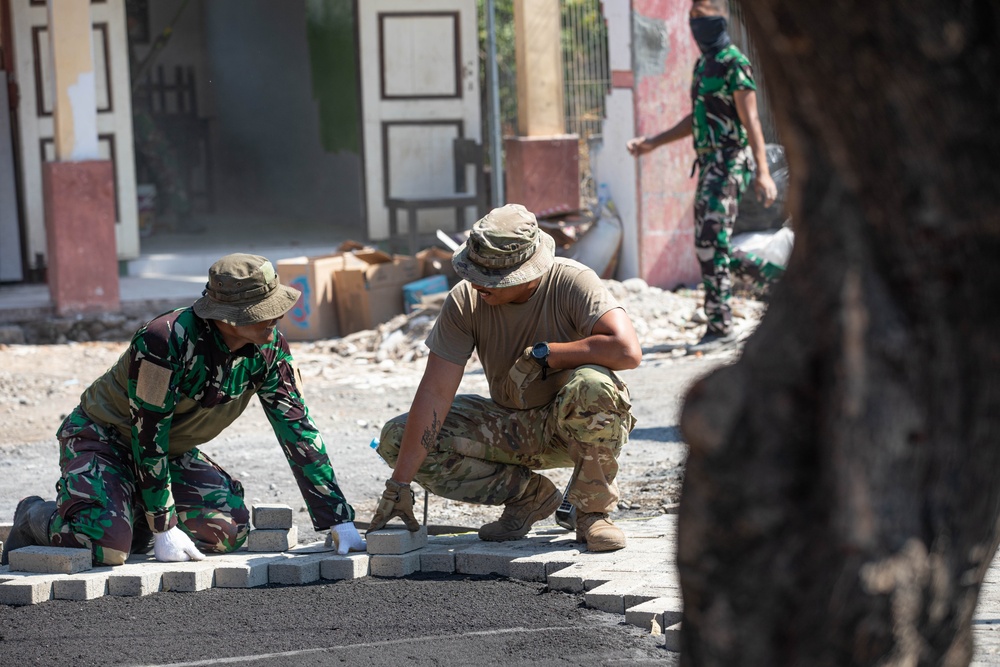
(841, 498)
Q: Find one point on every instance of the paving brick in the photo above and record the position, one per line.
(5, 531)
(393, 565)
(666, 610)
(610, 596)
(27, 590)
(626, 590)
(649, 591)
(394, 541)
(351, 566)
(538, 567)
(189, 577)
(655, 565)
(295, 570)
(487, 558)
(272, 539)
(135, 582)
(243, 573)
(439, 554)
(576, 577)
(273, 517)
(50, 560)
(87, 586)
(672, 638)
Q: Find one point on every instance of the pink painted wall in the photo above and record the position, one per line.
(664, 56)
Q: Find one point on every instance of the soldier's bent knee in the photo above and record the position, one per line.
(390, 439)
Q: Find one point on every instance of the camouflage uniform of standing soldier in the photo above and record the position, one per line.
(728, 141)
(550, 337)
(132, 474)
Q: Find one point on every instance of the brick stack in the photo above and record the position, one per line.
(393, 552)
(273, 529)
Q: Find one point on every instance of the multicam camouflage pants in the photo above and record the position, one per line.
(486, 453)
(722, 178)
(99, 506)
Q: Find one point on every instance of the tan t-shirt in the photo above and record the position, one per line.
(565, 307)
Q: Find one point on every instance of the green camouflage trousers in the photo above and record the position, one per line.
(722, 178)
(759, 272)
(486, 453)
(99, 505)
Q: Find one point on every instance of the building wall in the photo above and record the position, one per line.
(611, 163)
(663, 57)
(271, 156)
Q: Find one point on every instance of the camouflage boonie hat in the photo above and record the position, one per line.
(244, 289)
(505, 248)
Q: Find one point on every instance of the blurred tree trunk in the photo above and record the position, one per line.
(841, 497)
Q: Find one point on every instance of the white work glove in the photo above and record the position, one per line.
(174, 546)
(344, 537)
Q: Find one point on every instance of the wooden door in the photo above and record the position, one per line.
(33, 69)
(419, 92)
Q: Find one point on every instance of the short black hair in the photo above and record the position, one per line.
(721, 5)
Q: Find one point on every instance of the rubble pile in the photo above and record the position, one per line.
(665, 322)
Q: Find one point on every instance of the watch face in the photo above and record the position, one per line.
(540, 351)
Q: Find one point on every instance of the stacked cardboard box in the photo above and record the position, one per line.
(356, 288)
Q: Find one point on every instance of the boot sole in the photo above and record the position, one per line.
(547, 508)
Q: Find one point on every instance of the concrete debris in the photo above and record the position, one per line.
(665, 321)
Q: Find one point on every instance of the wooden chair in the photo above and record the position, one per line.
(466, 152)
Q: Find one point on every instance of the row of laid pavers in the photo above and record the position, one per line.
(638, 581)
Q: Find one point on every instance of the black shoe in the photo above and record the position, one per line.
(31, 525)
(712, 341)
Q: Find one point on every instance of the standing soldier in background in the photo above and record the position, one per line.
(728, 140)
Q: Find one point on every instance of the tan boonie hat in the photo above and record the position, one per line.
(505, 248)
(244, 289)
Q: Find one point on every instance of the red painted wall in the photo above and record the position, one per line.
(663, 97)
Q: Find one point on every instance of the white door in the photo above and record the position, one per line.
(419, 92)
(33, 68)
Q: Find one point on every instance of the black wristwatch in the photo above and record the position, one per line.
(540, 353)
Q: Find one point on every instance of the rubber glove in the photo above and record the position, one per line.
(397, 500)
(174, 545)
(344, 537)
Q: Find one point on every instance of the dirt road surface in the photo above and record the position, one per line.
(423, 620)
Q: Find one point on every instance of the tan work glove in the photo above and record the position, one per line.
(396, 501)
(524, 371)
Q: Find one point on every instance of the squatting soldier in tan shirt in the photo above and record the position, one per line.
(550, 337)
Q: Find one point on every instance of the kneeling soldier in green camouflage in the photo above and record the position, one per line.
(132, 474)
(550, 337)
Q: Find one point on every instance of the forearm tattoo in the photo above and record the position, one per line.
(429, 438)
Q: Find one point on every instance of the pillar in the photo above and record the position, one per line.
(542, 165)
(78, 188)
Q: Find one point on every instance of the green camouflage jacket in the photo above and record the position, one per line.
(178, 386)
(717, 126)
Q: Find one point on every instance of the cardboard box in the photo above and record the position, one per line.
(369, 286)
(413, 293)
(314, 316)
(437, 261)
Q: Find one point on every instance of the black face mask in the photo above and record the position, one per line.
(710, 33)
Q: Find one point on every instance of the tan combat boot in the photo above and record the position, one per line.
(596, 529)
(539, 499)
